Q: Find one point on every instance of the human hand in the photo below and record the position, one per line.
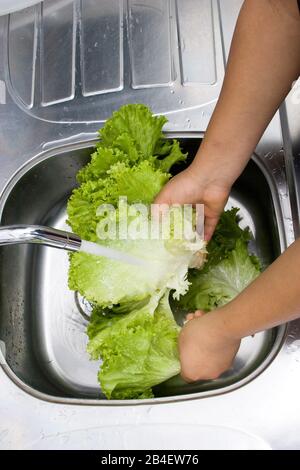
(192, 186)
(205, 347)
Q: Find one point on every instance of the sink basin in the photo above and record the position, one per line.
(42, 322)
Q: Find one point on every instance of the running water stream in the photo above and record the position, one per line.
(100, 250)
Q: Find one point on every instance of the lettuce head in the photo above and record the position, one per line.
(132, 329)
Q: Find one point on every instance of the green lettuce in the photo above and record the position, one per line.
(132, 329)
(132, 159)
(138, 350)
(229, 269)
(222, 282)
(227, 233)
(117, 171)
(140, 183)
(134, 126)
(109, 282)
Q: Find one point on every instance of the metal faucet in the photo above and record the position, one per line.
(19, 234)
(48, 236)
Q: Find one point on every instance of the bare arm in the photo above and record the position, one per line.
(263, 63)
(273, 298)
(209, 343)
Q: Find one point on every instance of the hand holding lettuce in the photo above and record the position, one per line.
(132, 329)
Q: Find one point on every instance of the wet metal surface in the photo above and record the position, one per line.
(53, 342)
(55, 92)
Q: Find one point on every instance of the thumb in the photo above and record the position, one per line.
(163, 197)
(161, 203)
(210, 224)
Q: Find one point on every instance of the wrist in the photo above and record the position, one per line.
(211, 170)
(220, 164)
(207, 173)
(227, 324)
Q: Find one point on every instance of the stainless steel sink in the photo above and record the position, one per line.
(43, 323)
(169, 55)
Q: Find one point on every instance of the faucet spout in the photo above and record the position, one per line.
(38, 234)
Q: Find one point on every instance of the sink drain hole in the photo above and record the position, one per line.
(84, 306)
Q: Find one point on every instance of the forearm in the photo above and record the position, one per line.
(264, 61)
(273, 298)
(209, 342)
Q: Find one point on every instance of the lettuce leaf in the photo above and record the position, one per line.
(138, 134)
(173, 157)
(109, 282)
(134, 125)
(132, 160)
(229, 268)
(101, 161)
(227, 233)
(140, 183)
(138, 350)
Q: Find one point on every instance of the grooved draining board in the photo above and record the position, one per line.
(77, 61)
